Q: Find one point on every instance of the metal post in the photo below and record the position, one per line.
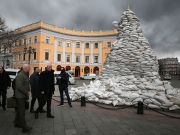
(83, 101)
(29, 53)
(140, 107)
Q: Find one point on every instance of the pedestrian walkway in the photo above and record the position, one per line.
(91, 120)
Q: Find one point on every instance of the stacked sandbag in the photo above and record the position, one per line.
(130, 72)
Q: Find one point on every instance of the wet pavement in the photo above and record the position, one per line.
(92, 120)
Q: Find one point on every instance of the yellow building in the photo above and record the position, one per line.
(80, 51)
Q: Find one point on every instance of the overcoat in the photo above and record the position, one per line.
(46, 82)
(34, 82)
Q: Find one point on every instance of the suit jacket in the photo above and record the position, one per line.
(46, 82)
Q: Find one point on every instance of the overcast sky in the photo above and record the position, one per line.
(159, 19)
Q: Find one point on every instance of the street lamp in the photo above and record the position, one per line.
(29, 51)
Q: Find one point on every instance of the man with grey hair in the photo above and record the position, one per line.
(22, 93)
(46, 83)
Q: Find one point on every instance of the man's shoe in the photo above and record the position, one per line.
(32, 111)
(36, 115)
(60, 105)
(26, 129)
(70, 106)
(4, 108)
(50, 116)
(43, 111)
(17, 126)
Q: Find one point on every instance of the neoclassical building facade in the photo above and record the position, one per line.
(79, 51)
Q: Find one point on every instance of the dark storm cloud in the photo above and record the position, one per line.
(159, 19)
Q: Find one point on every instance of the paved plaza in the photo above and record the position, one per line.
(92, 120)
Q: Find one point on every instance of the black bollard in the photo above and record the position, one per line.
(140, 107)
(83, 101)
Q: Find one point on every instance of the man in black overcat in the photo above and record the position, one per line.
(46, 86)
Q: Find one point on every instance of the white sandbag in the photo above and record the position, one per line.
(107, 102)
(96, 99)
(117, 91)
(125, 94)
(80, 92)
(168, 104)
(128, 103)
(161, 98)
(150, 87)
(176, 100)
(148, 101)
(132, 96)
(153, 106)
(141, 86)
(174, 107)
(156, 102)
(143, 97)
(74, 97)
(137, 100)
(158, 82)
(114, 102)
(98, 94)
(149, 94)
(160, 88)
(88, 95)
(171, 92)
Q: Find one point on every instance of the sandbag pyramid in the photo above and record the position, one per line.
(130, 72)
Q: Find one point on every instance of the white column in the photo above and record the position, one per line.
(55, 50)
(64, 50)
(72, 52)
(91, 52)
(100, 52)
(82, 52)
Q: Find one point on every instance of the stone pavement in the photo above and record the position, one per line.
(91, 120)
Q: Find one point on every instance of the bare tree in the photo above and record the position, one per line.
(9, 39)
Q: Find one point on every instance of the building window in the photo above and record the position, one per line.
(95, 45)
(58, 57)
(20, 42)
(24, 57)
(87, 45)
(47, 40)
(34, 55)
(87, 59)
(59, 43)
(35, 39)
(19, 57)
(14, 58)
(46, 55)
(29, 40)
(68, 44)
(77, 44)
(109, 44)
(95, 59)
(24, 41)
(68, 58)
(77, 59)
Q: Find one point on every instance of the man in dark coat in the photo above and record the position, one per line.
(35, 92)
(22, 93)
(63, 80)
(5, 83)
(46, 83)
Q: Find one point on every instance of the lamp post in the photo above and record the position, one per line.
(30, 51)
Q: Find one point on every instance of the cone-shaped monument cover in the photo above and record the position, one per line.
(130, 72)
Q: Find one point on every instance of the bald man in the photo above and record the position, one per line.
(46, 83)
(22, 92)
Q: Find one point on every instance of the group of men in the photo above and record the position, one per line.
(40, 86)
